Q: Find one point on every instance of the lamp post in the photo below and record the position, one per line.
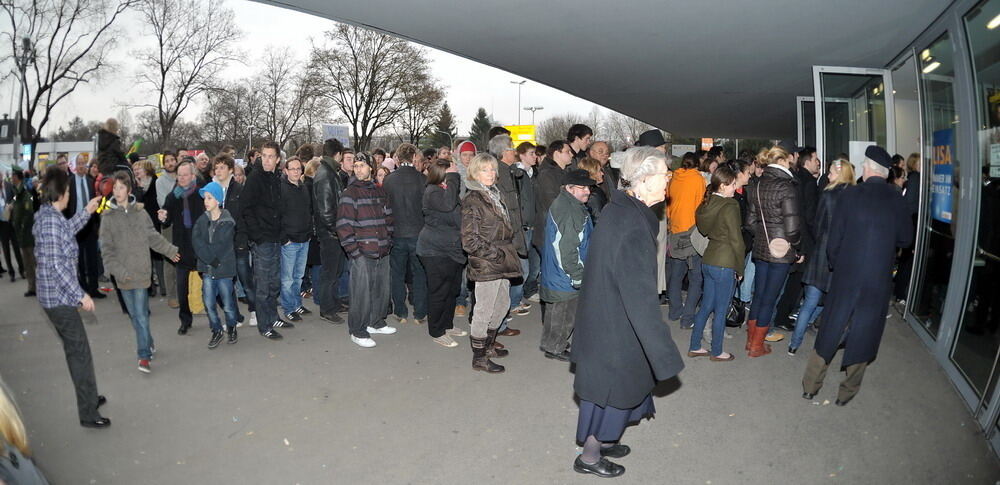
(533, 109)
(450, 141)
(22, 61)
(519, 84)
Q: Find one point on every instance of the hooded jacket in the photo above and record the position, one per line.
(127, 234)
(686, 192)
(774, 201)
(364, 221)
(441, 235)
(487, 235)
(213, 243)
(567, 237)
(719, 220)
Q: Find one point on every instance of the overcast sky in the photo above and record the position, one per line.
(469, 85)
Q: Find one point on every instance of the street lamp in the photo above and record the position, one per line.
(533, 109)
(22, 62)
(519, 84)
(450, 141)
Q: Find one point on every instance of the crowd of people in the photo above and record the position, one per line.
(597, 240)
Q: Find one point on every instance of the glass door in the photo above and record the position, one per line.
(855, 112)
(805, 109)
(976, 350)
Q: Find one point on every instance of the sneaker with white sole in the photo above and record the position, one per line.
(279, 323)
(386, 330)
(456, 332)
(253, 319)
(535, 298)
(363, 342)
(446, 341)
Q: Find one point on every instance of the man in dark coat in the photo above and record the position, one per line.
(181, 210)
(327, 188)
(404, 190)
(870, 221)
(81, 190)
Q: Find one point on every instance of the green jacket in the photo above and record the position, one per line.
(22, 216)
(718, 218)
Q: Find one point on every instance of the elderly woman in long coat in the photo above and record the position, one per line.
(869, 223)
(621, 345)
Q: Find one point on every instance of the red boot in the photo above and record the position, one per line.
(750, 325)
(757, 345)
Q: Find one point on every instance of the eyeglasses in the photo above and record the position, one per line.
(296, 169)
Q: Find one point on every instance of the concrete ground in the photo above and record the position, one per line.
(315, 408)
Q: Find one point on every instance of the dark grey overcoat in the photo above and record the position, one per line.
(621, 345)
(870, 221)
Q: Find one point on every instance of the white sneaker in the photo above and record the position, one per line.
(535, 298)
(363, 342)
(253, 319)
(386, 330)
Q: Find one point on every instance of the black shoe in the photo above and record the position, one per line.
(97, 295)
(293, 317)
(792, 350)
(616, 450)
(243, 300)
(215, 340)
(664, 300)
(101, 400)
(332, 318)
(279, 323)
(841, 403)
(785, 326)
(97, 423)
(272, 334)
(12, 277)
(808, 395)
(183, 330)
(232, 336)
(29, 294)
(563, 356)
(303, 311)
(603, 468)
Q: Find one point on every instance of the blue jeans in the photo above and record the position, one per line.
(517, 291)
(679, 308)
(293, 267)
(534, 265)
(807, 313)
(463, 291)
(244, 274)
(769, 281)
(137, 302)
(267, 283)
(221, 288)
(719, 286)
(746, 286)
(314, 274)
(403, 255)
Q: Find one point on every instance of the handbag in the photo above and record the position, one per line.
(698, 241)
(778, 246)
(737, 313)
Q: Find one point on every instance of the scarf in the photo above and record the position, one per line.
(185, 195)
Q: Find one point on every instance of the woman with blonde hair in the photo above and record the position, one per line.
(816, 276)
(598, 198)
(16, 466)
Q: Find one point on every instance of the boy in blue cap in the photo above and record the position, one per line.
(212, 239)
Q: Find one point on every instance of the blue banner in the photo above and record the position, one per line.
(941, 173)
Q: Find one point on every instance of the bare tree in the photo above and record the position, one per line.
(71, 39)
(421, 101)
(624, 130)
(193, 43)
(285, 95)
(365, 75)
(555, 127)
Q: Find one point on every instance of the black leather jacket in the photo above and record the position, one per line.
(779, 203)
(327, 187)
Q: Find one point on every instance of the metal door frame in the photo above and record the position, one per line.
(890, 108)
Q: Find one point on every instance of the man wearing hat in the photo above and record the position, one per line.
(869, 223)
(567, 236)
(652, 138)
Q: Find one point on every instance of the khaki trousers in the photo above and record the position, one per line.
(812, 381)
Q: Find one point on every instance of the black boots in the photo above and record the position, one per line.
(480, 361)
(492, 350)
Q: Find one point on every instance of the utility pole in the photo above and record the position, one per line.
(21, 61)
(519, 84)
(533, 109)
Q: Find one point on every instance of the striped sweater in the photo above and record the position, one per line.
(364, 221)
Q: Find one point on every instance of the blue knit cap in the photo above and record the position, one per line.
(215, 189)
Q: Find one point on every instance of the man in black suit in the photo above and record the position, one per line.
(7, 239)
(81, 190)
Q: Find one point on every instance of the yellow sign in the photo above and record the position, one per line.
(522, 133)
(707, 143)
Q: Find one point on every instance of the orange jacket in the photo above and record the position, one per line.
(686, 192)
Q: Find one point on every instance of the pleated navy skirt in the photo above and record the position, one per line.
(608, 423)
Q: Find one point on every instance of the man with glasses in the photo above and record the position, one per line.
(296, 230)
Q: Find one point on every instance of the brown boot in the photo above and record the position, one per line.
(492, 350)
(750, 325)
(757, 346)
(479, 359)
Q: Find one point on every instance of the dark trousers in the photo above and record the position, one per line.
(69, 326)
(332, 256)
(534, 267)
(444, 279)
(557, 325)
(267, 283)
(815, 373)
(768, 281)
(245, 275)
(184, 312)
(89, 268)
(680, 309)
(369, 295)
(7, 243)
(790, 296)
(161, 286)
(402, 258)
(28, 255)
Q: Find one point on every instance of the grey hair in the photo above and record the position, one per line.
(641, 162)
(873, 166)
(499, 144)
